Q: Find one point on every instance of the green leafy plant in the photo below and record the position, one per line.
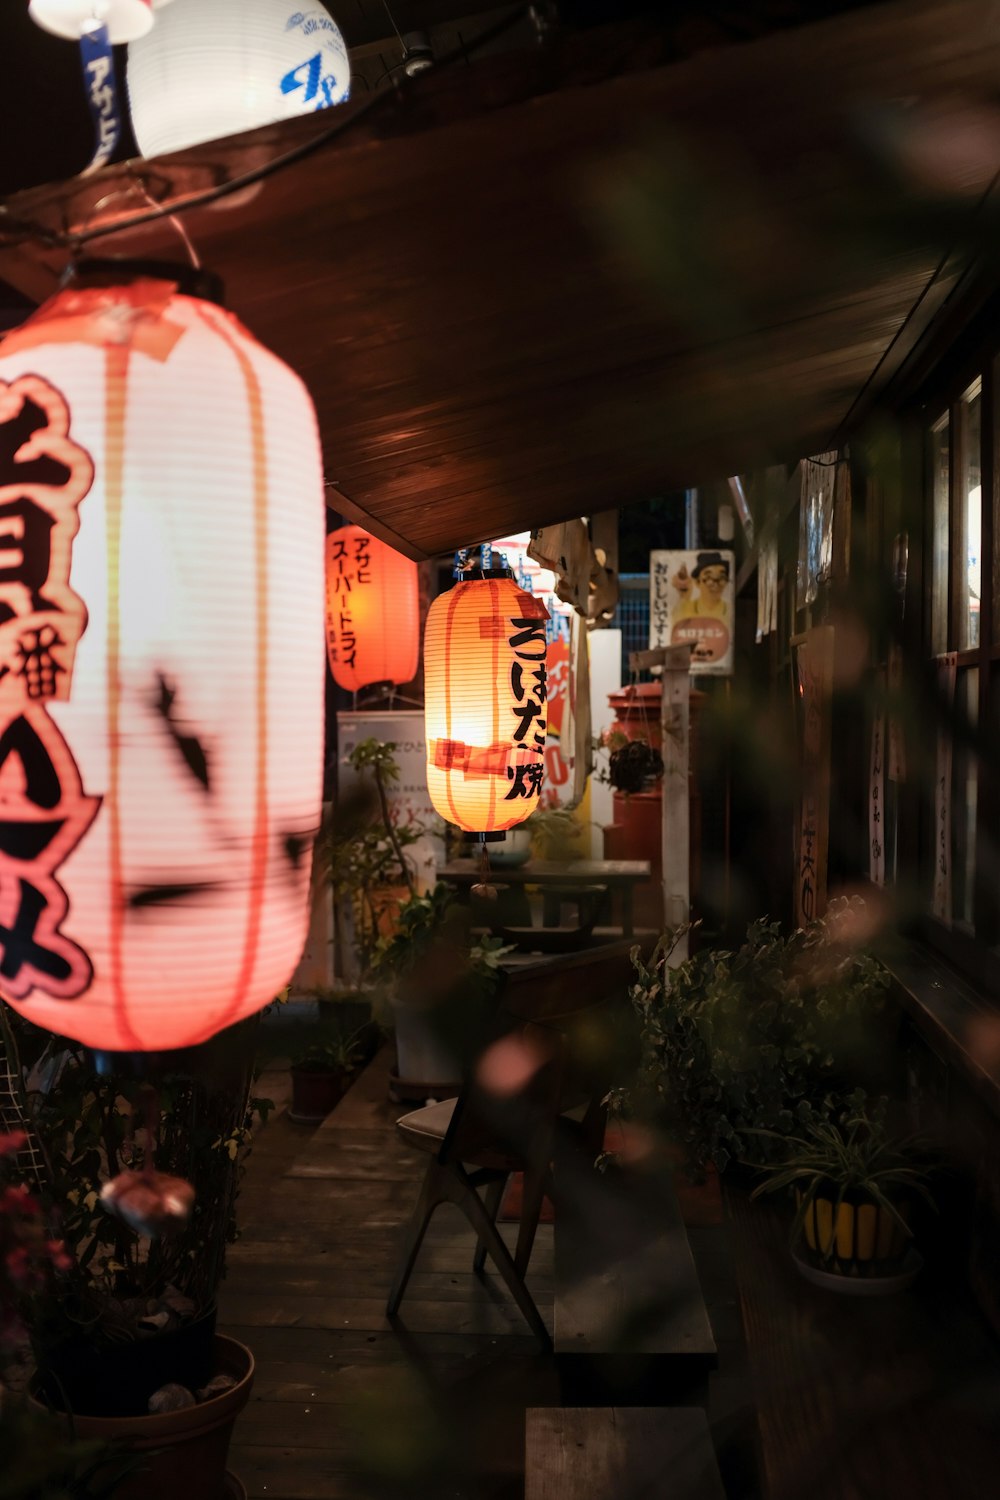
(324, 1048)
(555, 832)
(87, 1125)
(632, 765)
(767, 1036)
(855, 1162)
(434, 929)
(39, 1461)
(364, 849)
(433, 963)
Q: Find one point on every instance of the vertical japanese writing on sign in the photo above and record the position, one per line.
(691, 603)
(44, 475)
(563, 774)
(529, 691)
(348, 571)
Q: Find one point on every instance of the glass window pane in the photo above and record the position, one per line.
(969, 499)
(964, 797)
(940, 467)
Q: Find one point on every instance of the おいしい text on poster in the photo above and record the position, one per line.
(691, 603)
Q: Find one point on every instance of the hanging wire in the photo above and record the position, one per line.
(392, 23)
(172, 219)
(75, 239)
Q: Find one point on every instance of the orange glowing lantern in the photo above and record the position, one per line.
(161, 705)
(372, 611)
(485, 697)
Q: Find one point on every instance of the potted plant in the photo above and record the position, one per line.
(435, 980)
(856, 1187)
(365, 854)
(759, 1037)
(557, 833)
(38, 1461)
(130, 1308)
(322, 1069)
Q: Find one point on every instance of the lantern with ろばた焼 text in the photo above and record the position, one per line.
(161, 704)
(485, 703)
(372, 611)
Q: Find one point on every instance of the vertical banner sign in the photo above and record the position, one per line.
(564, 777)
(876, 794)
(941, 899)
(813, 685)
(98, 63)
(691, 603)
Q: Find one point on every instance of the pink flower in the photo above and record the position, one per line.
(12, 1142)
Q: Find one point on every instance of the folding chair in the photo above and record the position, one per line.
(477, 1140)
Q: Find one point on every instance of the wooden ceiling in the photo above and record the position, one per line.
(562, 280)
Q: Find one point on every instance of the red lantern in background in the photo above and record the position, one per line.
(161, 704)
(372, 611)
(485, 703)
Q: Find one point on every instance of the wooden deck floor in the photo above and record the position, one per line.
(346, 1404)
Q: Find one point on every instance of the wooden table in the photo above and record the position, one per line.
(618, 876)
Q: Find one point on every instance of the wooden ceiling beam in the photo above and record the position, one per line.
(538, 286)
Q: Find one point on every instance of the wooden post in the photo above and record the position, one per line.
(675, 718)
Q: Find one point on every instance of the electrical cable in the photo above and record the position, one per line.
(74, 240)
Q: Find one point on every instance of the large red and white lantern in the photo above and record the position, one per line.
(161, 584)
(372, 611)
(485, 703)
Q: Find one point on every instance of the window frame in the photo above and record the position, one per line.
(974, 952)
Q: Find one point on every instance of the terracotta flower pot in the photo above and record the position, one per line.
(315, 1092)
(180, 1455)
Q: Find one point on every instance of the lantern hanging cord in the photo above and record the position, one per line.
(73, 239)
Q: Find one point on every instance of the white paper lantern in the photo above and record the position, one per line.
(126, 20)
(161, 667)
(213, 68)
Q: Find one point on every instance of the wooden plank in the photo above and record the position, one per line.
(893, 1396)
(470, 1315)
(642, 1453)
(626, 1281)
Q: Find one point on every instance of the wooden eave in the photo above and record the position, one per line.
(553, 282)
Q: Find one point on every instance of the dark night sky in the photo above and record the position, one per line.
(45, 128)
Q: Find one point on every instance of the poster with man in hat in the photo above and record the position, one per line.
(691, 602)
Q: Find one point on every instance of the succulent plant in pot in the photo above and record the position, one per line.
(856, 1188)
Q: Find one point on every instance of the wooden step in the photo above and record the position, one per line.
(630, 1320)
(630, 1453)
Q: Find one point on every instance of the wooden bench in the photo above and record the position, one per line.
(631, 1324)
(619, 1453)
